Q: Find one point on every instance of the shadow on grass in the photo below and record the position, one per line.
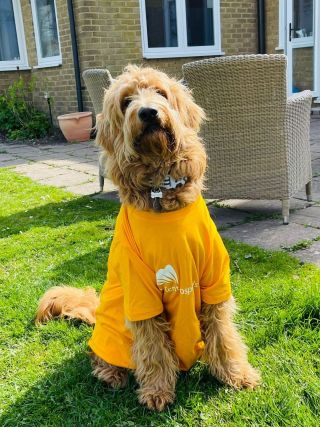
(88, 268)
(59, 214)
(70, 396)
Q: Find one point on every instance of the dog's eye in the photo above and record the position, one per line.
(160, 92)
(127, 102)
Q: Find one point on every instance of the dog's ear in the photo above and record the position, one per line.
(191, 114)
(104, 137)
(109, 122)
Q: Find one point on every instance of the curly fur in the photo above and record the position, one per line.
(156, 362)
(65, 301)
(114, 376)
(136, 154)
(224, 349)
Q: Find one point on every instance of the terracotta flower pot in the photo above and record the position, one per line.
(76, 126)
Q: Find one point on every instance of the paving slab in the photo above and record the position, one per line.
(20, 152)
(5, 157)
(65, 148)
(66, 161)
(315, 156)
(223, 217)
(16, 161)
(315, 168)
(45, 173)
(26, 167)
(270, 234)
(42, 156)
(266, 207)
(309, 216)
(113, 196)
(315, 146)
(91, 167)
(91, 151)
(70, 179)
(310, 254)
(315, 191)
(85, 189)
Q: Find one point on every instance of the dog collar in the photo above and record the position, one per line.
(168, 183)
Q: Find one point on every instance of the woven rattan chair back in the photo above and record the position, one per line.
(244, 98)
(96, 82)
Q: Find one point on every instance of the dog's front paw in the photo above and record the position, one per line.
(245, 376)
(155, 399)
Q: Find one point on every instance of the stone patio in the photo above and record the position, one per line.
(74, 167)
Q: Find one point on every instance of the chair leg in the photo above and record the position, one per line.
(101, 182)
(309, 191)
(285, 211)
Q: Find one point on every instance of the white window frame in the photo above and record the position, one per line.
(282, 25)
(22, 63)
(182, 50)
(51, 61)
(296, 42)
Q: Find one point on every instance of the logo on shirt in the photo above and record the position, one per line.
(167, 281)
(166, 276)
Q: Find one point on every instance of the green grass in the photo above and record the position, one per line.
(50, 237)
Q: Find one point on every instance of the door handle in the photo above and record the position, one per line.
(290, 30)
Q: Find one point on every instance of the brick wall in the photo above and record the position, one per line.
(303, 68)
(272, 26)
(109, 36)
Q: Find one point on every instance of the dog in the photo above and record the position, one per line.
(167, 300)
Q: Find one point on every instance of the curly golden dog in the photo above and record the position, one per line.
(167, 300)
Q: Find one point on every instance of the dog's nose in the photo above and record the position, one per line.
(148, 114)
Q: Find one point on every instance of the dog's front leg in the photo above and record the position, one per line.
(225, 351)
(155, 360)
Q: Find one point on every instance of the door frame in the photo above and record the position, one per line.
(289, 45)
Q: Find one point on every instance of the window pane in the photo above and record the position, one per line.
(200, 22)
(302, 18)
(162, 23)
(48, 32)
(9, 49)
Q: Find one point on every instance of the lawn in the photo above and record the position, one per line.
(50, 237)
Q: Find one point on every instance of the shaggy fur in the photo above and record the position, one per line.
(137, 153)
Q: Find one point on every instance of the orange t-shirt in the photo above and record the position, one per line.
(167, 262)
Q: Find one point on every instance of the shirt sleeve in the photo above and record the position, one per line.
(142, 298)
(215, 281)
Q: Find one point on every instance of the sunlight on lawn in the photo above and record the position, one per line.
(50, 237)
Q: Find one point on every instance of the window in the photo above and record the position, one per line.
(302, 20)
(178, 28)
(282, 25)
(46, 33)
(13, 52)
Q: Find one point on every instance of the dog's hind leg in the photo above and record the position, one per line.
(114, 376)
(65, 301)
(155, 360)
(224, 350)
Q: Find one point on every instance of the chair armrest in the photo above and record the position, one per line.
(298, 144)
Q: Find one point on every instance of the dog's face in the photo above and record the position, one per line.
(149, 123)
(146, 115)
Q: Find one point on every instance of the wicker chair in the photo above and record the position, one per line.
(257, 139)
(96, 82)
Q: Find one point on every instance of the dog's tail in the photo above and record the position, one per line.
(65, 301)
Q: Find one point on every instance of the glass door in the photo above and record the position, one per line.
(301, 45)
